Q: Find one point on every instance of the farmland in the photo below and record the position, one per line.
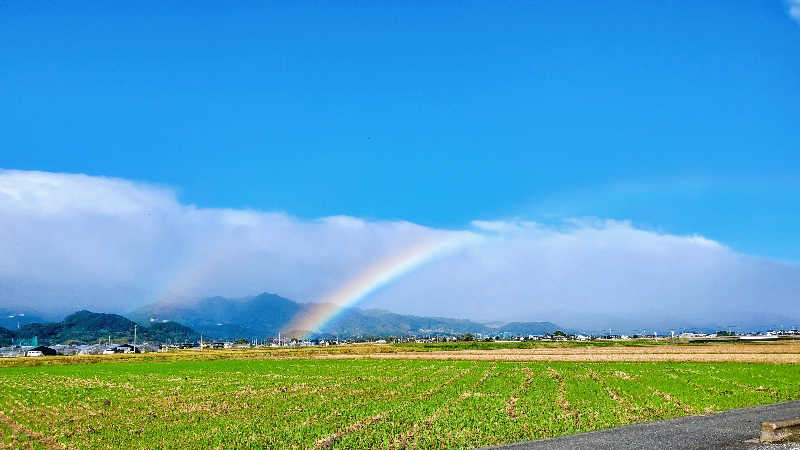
(614, 351)
(306, 403)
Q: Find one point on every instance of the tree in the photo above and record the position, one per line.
(241, 341)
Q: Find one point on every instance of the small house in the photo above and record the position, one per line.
(127, 348)
(41, 351)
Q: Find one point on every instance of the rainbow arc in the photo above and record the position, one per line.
(366, 282)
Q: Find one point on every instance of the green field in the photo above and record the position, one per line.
(368, 403)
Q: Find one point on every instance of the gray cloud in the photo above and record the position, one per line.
(70, 241)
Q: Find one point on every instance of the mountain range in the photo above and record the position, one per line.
(259, 316)
(267, 314)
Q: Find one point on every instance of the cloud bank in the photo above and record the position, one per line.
(71, 241)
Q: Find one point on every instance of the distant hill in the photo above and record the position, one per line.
(170, 332)
(525, 328)
(262, 315)
(5, 336)
(89, 327)
(382, 323)
(267, 314)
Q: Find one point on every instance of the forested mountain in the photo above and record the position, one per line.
(262, 315)
(89, 327)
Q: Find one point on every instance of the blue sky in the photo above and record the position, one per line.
(681, 117)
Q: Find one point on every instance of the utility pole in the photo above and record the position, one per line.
(134, 338)
(201, 341)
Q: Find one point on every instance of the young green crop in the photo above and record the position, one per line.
(361, 403)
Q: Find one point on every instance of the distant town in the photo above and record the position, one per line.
(29, 347)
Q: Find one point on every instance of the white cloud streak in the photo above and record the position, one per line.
(71, 241)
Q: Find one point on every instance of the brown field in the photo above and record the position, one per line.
(761, 352)
(773, 352)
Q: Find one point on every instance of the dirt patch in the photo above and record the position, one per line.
(673, 401)
(564, 405)
(328, 441)
(626, 407)
(39, 438)
(511, 404)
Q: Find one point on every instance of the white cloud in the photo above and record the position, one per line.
(70, 241)
(794, 9)
(503, 226)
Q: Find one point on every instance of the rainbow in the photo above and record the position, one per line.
(374, 277)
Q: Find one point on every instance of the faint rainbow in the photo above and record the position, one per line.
(375, 276)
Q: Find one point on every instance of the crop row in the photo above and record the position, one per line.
(357, 404)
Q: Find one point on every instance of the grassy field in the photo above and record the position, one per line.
(360, 403)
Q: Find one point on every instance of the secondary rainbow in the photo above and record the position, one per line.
(369, 280)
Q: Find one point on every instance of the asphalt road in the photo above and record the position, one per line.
(734, 429)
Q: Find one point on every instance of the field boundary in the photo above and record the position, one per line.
(734, 428)
(523, 355)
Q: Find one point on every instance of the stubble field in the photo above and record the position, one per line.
(323, 403)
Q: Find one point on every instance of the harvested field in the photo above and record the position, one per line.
(756, 353)
(621, 351)
(307, 403)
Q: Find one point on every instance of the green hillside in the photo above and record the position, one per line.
(89, 327)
